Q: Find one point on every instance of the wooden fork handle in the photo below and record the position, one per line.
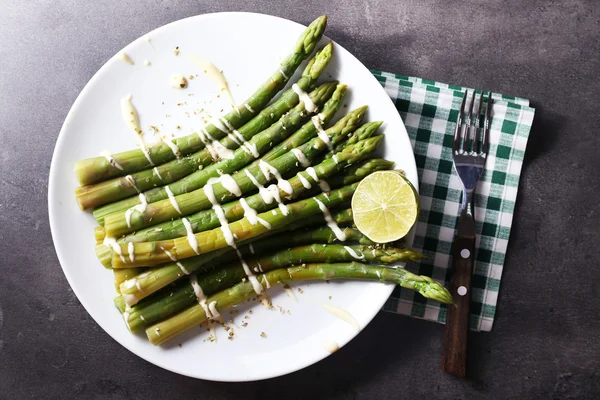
(454, 350)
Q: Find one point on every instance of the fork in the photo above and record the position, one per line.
(469, 162)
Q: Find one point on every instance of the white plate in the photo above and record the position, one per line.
(236, 43)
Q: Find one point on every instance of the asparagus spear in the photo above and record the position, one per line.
(163, 331)
(175, 228)
(153, 253)
(123, 274)
(92, 196)
(259, 144)
(117, 224)
(98, 169)
(359, 171)
(208, 219)
(182, 296)
(156, 278)
(365, 131)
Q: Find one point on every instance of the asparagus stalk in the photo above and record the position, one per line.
(359, 171)
(117, 224)
(182, 296)
(123, 274)
(163, 331)
(98, 169)
(156, 278)
(92, 196)
(208, 219)
(365, 131)
(153, 253)
(258, 144)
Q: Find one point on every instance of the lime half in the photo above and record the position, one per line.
(385, 206)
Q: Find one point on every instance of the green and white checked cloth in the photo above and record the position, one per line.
(429, 111)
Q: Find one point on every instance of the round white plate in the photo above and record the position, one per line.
(236, 43)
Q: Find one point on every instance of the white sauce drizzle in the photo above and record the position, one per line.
(330, 346)
(140, 207)
(168, 253)
(131, 181)
(283, 73)
(238, 138)
(304, 181)
(290, 293)
(253, 218)
(266, 281)
(316, 120)
(130, 115)
(216, 149)
(324, 186)
(248, 107)
(309, 105)
(354, 254)
(342, 314)
(130, 299)
(182, 268)
(155, 170)
(269, 193)
(210, 195)
(191, 238)
(111, 160)
(200, 296)
(112, 243)
(216, 75)
(222, 124)
(173, 147)
(312, 173)
(178, 81)
(339, 234)
(301, 157)
(125, 58)
(126, 314)
(131, 251)
(251, 277)
(138, 284)
(213, 309)
(228, 236)
(248, 147)
(230, 185)
(172, 199)
(268, 170)
(131, 118)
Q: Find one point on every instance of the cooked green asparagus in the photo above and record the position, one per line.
(165, 330)
(98, 169)
(174, 300)
(92, 196)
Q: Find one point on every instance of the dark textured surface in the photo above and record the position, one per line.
(546, 339)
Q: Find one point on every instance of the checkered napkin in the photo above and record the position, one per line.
(429, 111)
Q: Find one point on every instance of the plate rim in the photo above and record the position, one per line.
(52, 187)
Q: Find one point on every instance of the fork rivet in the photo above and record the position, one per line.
(461, 290)
(464, 253)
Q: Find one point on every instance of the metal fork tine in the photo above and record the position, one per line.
(459, 123)
(476, 128)
(467, 140)
(485, 141)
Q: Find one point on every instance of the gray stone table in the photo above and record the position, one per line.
(545, 342)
